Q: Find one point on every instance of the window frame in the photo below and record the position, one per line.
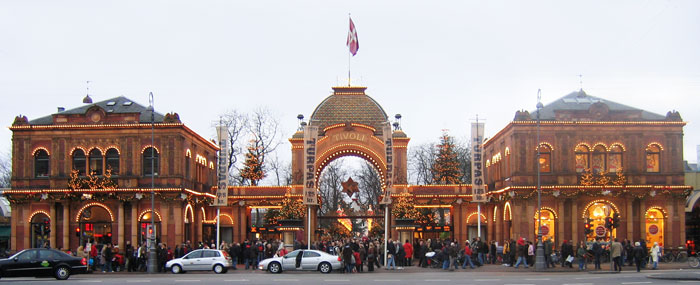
(109, 161)
(615, 150)
(83, 160)
(547, 155)
(584, 154)
(651, 152)
(43, 160)
(148, 153)
(98, 160)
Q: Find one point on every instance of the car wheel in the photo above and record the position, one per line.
(176, 269)
(274, 267)
(218, 269)
(62, 273)
(325, 267)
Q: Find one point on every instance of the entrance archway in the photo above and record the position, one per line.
(95, 223)
(597, 211)
(508, 221)
(548, 222)
(473, 227)
(39, 225)
(655, 218)
(144, 222)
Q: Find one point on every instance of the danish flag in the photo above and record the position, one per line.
(352, 42)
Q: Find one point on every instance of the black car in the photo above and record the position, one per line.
(37, 262)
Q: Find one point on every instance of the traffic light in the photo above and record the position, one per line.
(588, 227)
(37, 229)
(616, 220)
(608, 223)
(77, 232)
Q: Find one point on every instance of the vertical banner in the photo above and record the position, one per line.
(478, 188)
(222, 169)
(389, 150)
(310, 138)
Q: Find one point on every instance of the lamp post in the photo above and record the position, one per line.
(152, 247)
(539, 253)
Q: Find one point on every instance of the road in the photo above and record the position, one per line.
(377, 277)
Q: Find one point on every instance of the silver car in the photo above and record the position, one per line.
(311, 260)
(202, 259)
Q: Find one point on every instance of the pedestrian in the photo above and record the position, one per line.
(655, 251)
(467, 256)
(566, 251)
(580, 255)
(597, 253)
(128, 256)
(530, 253)
(492, 252)
(371, 256)
(548, 253)
(616, 254)
(521, 253)
(408, 250)
(391, 251)
(638, 254)
(107, 256)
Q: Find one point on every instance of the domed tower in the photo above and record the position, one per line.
(350, 123)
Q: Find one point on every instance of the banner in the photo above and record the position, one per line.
(389, 149)
(478, 187)
(222, 170)
(310, 137)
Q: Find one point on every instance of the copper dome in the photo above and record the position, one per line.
(349, 105)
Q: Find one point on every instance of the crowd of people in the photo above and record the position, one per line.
(358, 254)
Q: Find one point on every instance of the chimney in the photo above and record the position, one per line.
(61, 109)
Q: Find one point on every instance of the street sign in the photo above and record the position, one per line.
(653, 229)
(600, 231)
(544, 230)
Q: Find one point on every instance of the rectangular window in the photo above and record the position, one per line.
(113, 164)
(545, 162)
(614, 162)
(581, 162)
(598, 163)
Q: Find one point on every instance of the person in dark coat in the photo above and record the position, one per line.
(566, 251)
(597, 253)
(248, 254)
(234, 251)
(513, 252)
(643, 244)
(638, 253)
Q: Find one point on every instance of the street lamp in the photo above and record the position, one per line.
(152, 247)
(539, 253)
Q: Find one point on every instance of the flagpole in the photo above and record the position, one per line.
(349, 57)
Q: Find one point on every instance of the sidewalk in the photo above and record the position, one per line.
(686, 275)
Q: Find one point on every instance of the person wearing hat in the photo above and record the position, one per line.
(638, 254)
(655, 251)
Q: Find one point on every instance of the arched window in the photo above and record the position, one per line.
(653, 152)
(598, 159)
(582, 158)
(79, 163)
(188, 161)
(615, 159)
(112, 163)
(151, 162)
(545, 160)
(41, 163)
(96, 162)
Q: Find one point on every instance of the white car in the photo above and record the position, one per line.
(202, 259)
(311, 260)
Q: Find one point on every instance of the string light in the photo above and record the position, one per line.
(41, 148)
(662, 210)
(483, 217)
(80, 212)
(29, 221)
(148, 211)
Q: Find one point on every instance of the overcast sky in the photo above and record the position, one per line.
(438, 63)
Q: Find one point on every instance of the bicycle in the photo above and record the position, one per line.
(694, 261)
(675, 255)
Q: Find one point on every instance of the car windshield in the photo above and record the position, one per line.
(292, 254)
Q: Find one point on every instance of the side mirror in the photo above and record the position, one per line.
(15, 259)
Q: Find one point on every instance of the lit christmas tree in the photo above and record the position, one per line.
(403, 208)
(445, 168)
(620, 178)
(587, 178)
(292, 209)
(252, 168)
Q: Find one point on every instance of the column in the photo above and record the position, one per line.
(179, 222)
(164, 221)
(530, 232)
(642, 220)
(120, 225)
(26, 226)
(499, 227)
(630, 220)
(14, 220)
(517, 209)
(134, 225)
(66, 225)
(490, 226)
(198, 221)
(680, 212)
(574, 221)
(560, 223)
(52, 225)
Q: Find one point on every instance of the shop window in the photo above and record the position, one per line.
(598, 159)
(653, 153)
(79, 162)
(41, 163)
(545, 159)
(151, 161)
(96, 162)
(615, 159)
(112, 163)
(654, 227)
(547, 222)
(582, 158)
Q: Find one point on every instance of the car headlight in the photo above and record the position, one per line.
(261, 267)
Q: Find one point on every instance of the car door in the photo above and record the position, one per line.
(310, 260)
(207, 260)
(22, 264)
(48, 259)
(189, 261)
(289, 260)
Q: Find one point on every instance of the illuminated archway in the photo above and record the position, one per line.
(548, 222)
(469, 218)
(95, 223)
(596, 212)
(655, 218)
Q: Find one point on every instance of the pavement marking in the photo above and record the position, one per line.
(188, 280)
(437, 280)
(90, 281)
(487, 279)
(645, 282)
(577, 284)
(336, 280)
(688, 281)
(292, 280)
(138, 281)
(237, 280)
(581, 278)
(387, 280)
(538, 279)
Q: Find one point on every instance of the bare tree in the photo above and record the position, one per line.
(464, 157)
(370, 186)
(330, 186)
(236, 124)
(263, 126)
(420, 161)
(280, 170)
(5, 169)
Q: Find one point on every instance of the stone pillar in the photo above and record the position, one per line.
(120, 225)
(630, 220)
(559, 238)
(669, 224)
(517, 209)
(530, 233)
(66, 225)
(288, 238)
(179, 222)
(14, 224)
(198, 221)
(642, 220)
(498, 224)
(134, 224)
(680, 213)
(490, 226)
(164, 221)
(26, 224)
(52, 225)
(574, 222)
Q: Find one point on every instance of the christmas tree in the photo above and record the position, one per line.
(445, 168)
(252, 167)
(292, 209)
(587, 178)
(403, 208)
(603, 179)
(620, 178)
